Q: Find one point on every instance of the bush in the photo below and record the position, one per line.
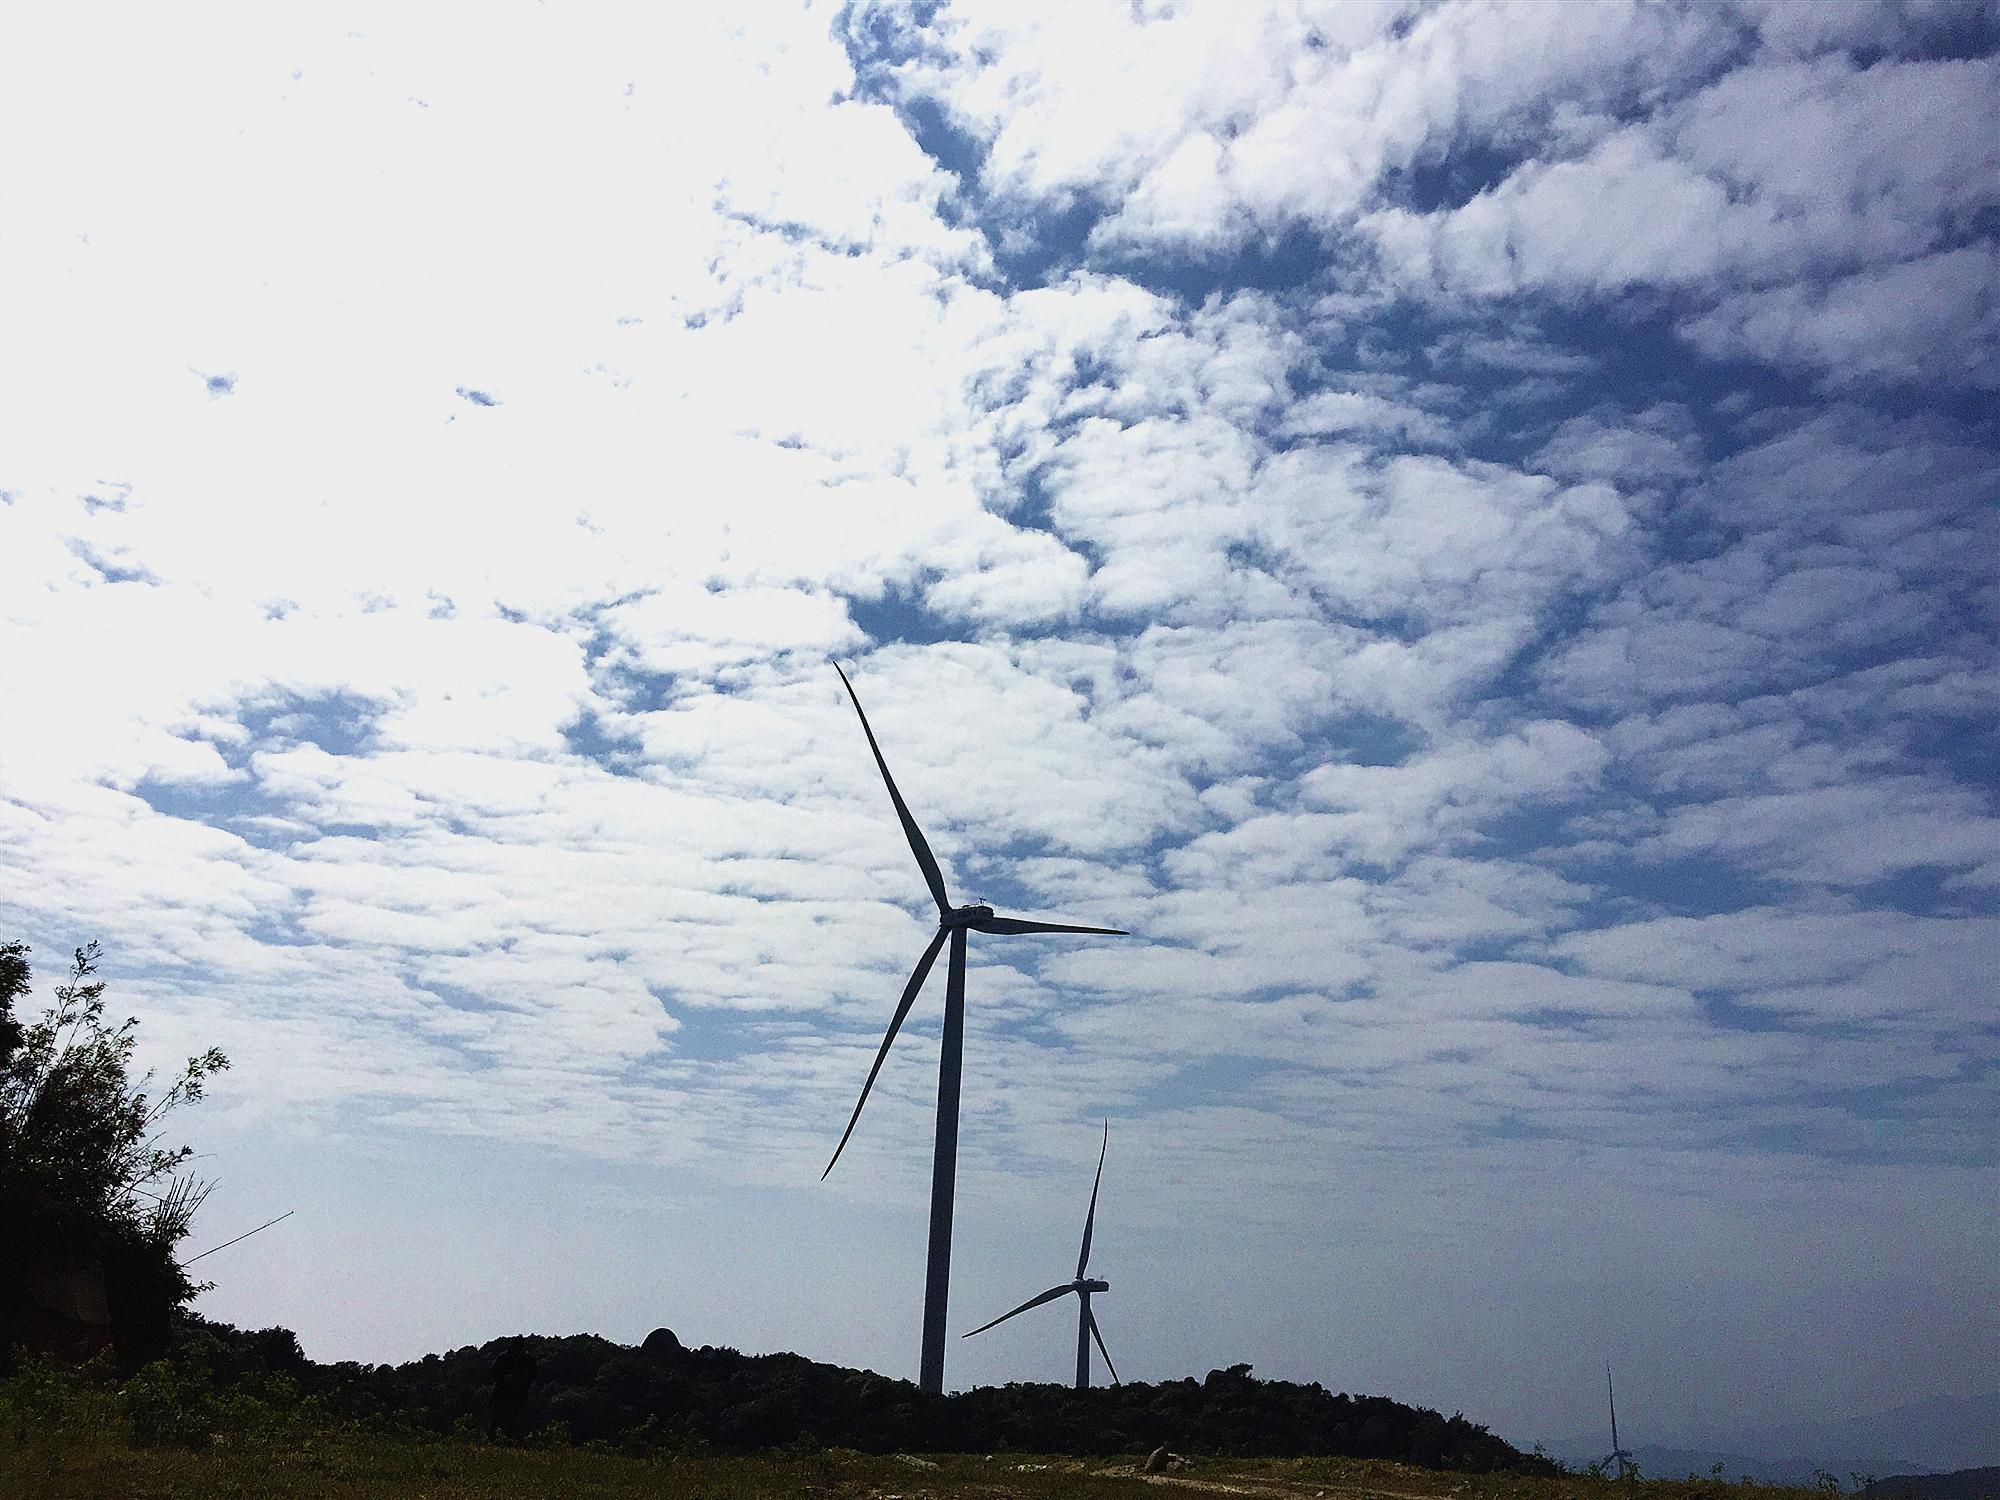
(170, 1405)
(44, 1401)
(87, 1189)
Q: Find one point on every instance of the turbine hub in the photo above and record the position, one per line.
(965, 916)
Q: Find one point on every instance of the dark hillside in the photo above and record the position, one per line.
(595, 1389)
(1960, 1484)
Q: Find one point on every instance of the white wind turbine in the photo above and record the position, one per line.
(1083, 1288)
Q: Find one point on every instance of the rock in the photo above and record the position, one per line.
(1158, 1459)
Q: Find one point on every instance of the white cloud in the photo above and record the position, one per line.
(1857, 536)
(1802, 29)
(1936, 317)
(1767, 180)
(1646, 147)
(1328, 412)
(1832, 965)
(1842, 836)
(1653, 446)
(1450, 791)
(1198, 129)
(686, 628)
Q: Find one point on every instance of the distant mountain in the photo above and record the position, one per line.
(1659, 1461)
(1923, 1437)
(1962, 1484)
(1951, 1432)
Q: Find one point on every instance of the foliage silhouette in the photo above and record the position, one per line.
(594, 1390)
(86, 1186)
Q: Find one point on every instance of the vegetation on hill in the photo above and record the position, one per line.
(1959, 1484)
(591, 1389)
(169, 1432)
(91, 1203)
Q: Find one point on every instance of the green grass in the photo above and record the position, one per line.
(168, 1434)
(354, 1466)
(368, 1466)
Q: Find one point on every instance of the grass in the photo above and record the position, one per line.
(351, 1465)
(168, 1434)
(355, 1466)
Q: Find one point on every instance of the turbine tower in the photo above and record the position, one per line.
(1086, 1320)
(1617, 1454)
(953, 923)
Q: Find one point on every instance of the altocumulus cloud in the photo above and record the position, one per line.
(1470, 527)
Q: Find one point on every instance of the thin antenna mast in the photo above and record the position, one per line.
(241, 1237)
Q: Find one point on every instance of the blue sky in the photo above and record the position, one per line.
(1469, 528)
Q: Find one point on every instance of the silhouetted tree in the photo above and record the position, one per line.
(597, 1390)
(13, 985)
(513, 1377)
(84, 1179)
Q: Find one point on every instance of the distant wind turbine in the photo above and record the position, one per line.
(953, 923)
(1086, 1320)
(1617, 1454)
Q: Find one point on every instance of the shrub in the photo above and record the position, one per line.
(170, 1405)
(41, 1400)
(86, 1185)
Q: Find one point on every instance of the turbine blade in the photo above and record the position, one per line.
(1104, 1351)
(1014, 926)
(1090, 1219)
(926, 861)
(917, 977)
(1049, 1296)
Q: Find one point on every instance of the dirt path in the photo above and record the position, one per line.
(1272, 1489)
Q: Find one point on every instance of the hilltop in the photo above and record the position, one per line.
(246, 1413)
(591, 1389)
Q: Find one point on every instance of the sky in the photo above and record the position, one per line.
(1470, 529)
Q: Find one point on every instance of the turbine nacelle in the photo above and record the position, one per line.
(1092, 1285)
(965, 916)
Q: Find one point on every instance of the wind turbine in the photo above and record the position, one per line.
(1086, 1321)
(953, 923)
(1617, 1454)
